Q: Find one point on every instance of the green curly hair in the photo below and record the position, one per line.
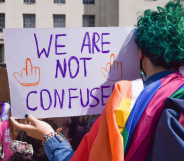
(160, 35)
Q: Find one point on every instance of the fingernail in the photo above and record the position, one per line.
(26, 115)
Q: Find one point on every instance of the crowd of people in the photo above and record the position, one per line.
(73, 128)
(142, 120)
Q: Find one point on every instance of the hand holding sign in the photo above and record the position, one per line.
(36, 128)
(30, 76)
(113, 70)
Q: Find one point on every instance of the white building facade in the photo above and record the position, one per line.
(69, 13)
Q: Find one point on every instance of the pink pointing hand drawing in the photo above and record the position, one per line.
(113, 70)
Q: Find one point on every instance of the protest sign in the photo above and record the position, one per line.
(68, 71)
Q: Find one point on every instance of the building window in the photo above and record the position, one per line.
(2, 0)
(29, 20)
(59, 1)
(29, 1)
(59, 21)
(2, 20)
(88, 21)
(1, 53)
(88, 1)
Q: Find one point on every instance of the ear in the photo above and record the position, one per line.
(140, 55)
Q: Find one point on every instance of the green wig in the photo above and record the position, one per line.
(161, 34)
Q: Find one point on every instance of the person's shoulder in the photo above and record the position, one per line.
(1, 125)
(4, 123)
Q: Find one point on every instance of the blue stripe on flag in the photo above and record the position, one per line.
(142, 101)
(182, 86)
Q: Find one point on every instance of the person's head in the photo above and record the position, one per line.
(160, 36)
(38, 148)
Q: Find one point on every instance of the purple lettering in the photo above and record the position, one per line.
(32, 109)
(69, 66)
(84, 60)
(88, 42)
(58, 45)
(43, 50)
(96, 98)
(102, 94)
(57, 95)
(81, 100)
(58, 66)
(94, 42)
(41, 99)
(103, 43)
(70, 103)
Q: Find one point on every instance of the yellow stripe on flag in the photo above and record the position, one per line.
(122, 113)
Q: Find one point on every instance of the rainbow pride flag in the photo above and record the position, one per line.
(127, 120)
(143, 127)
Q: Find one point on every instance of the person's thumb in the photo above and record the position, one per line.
(31, 119)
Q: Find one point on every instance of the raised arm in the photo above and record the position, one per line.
(57, 147)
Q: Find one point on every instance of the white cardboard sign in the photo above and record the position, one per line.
(68, 71)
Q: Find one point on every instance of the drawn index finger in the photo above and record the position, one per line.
(112, 60)
(28, 67)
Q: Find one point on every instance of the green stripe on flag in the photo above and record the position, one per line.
(125, 135)
(178, 94)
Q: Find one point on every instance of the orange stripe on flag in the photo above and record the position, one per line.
(108, 144)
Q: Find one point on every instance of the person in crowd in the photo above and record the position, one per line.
(5, 134)
(78, 128)
(141, 120)
(26, 148)
(8, 132)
